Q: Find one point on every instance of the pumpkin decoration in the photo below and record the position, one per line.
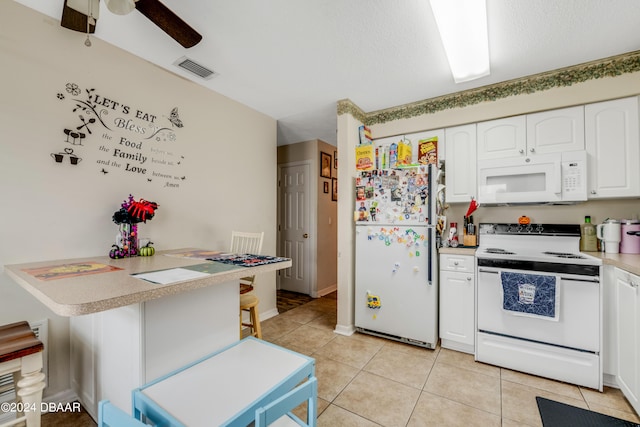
(117, 252)
(524, 220)
(147, 250)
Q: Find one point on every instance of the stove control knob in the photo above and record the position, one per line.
(529, 228)
(539, 229)
(519, 229)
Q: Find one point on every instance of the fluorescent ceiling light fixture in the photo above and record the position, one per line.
(463, 29)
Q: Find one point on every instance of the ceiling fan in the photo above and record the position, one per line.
(81, 15)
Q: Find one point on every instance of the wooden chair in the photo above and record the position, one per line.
(279, 411)
(111, 416)
(248, 243)
(21, 354)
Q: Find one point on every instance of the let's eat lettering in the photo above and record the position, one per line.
(124, 109)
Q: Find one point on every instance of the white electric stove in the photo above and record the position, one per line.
(539, 302)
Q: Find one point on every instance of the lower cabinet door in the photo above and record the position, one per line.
(457, 307)
(628, 327)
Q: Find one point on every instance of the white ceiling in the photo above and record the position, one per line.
(293, 59)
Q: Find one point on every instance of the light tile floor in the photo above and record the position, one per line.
(370, 381)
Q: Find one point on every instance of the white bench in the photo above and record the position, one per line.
(227, 387)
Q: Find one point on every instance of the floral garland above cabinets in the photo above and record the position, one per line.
(114, 137)
(608, 67)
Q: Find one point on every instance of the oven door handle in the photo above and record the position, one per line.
(584, 279)
(482, 270)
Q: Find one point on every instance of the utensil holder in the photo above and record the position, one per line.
(470, 240)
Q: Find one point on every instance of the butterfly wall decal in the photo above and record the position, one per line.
(174, 118)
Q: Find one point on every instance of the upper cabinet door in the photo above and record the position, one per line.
(555, 131)
(502, 138)
(460, 171)
(612, 137)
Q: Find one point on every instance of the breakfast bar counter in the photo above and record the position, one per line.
(80, 286)
(126, 331)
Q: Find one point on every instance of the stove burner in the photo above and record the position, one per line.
(498, 251)
(564, 255)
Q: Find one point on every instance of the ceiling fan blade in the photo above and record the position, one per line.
(169, 22)
(74, 20)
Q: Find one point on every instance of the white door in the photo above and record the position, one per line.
(460, 143)
(456, 307)
(393, 295)
(502, 138)
(628, 325)
(612, 146)
(556, 131)
(295, 196)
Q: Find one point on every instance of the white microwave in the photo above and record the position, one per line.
(546, 178)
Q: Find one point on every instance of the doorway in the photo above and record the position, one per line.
(296, 226)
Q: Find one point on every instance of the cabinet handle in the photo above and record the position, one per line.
(521, 151)
(455, 263)
(633, 284)
(593, 191)
(468, 279)
(533, 150)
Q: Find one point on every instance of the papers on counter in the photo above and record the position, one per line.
(164, 277)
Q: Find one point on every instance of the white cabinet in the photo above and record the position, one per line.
(546, 132)
(555, 131)
(502, 138)
(460, 170)
(613, 148)
(457, 294)
(628, 327)
(115, 351)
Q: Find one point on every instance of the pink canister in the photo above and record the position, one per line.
(630, 239)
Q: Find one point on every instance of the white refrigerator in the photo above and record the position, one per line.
(396, 288)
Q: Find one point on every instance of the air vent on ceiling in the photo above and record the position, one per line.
(195, 68)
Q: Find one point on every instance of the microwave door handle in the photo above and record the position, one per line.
(557, 183)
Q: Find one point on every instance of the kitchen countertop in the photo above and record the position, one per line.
(92, 293)
(460, 250)
(627, 262)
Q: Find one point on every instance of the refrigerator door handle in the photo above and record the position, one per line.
(429, 256)
(431, 211)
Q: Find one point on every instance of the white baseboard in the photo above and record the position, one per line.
(452, 345)
(345, 330)
(610, 381)
(269, 314)
(326, 291)
(66, 396)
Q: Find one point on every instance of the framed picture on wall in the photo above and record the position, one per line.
(326, 186)
(334, 189)
(325, 165)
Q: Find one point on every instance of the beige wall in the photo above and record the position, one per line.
(326, 236)
(54, 211)
(589, 91)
